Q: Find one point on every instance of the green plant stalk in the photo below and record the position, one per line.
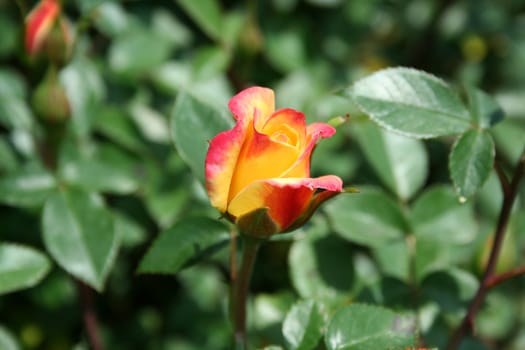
(89, 316)
(510, 190)
(22, 7)
(49, 153)
(240, 290)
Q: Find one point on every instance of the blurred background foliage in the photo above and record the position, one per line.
(405, 242)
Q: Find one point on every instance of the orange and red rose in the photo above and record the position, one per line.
(258, 173)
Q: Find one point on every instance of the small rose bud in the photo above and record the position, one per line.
(50, 101)
(47, 31)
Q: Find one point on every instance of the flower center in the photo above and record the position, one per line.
(284, 135)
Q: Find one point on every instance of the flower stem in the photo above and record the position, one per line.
(510, 191)
(89, 316)
(240, 291)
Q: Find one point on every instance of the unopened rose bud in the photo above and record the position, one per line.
(50, 101)
(47, 31)
(258, 173)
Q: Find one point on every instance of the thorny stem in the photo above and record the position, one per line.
(489, 280)
(240, 291)
(89, 316)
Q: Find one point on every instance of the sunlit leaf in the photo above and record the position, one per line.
(80, 235)
(27, 187)
(206, 13)
(21, 267)
(315, 266)
(439, 215)
(369, 217)
(400, 162)
(85, 89)
(303, 325)
(193, 125)
(411, 102)
(394, 259)
(471, 161)
(8, 340)
(365, 327)
(484, 109)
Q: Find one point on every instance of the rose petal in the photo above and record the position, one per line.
(220, 163)
(268, 156)
(314, 132)
(245, 104)
(287, 198)
(39, 23)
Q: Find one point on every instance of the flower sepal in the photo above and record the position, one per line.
(258, 224)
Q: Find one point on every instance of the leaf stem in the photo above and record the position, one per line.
(504, 181)
(502, 277)
(510, 191)
(240, 290)
(89, 316)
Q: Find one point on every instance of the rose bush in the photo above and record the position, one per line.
(258, 173)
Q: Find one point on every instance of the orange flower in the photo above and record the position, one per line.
(258, 173)
(39, 24)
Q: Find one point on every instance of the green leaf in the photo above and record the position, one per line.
(138, 51)
(471, 161)
(152, 124)
(193, 125)
(187, 241)
(166, 24)
(286, 49)
(164, 198)
(484, 109)
(79, 233)
(103, 169)
(206, 13)
(322, 267)
(508, 135)
(85, 89)
(370, 217)
(8, 158)
(116, 125)
(498, 316)
(10, 35)
(411, 102)
(451, 288)
(111, 18)
(438, 215)
(205, 285)
(303, 325)
(209, 62)
(400, 162)
(21, 267)
(388, 291)
(14, 110)
(269, 311)
(8, 340)
(394, 259)
(129, 231)
(432, 254)
(365, 327)
(27, 187)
